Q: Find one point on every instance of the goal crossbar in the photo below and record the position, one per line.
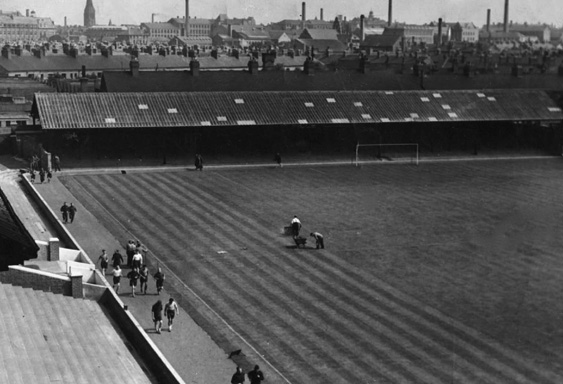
(391, 145)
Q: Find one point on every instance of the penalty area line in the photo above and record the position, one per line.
(187, 287)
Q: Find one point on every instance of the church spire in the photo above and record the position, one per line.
(89, 14)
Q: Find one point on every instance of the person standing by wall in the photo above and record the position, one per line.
(278, 159)
(56, 163)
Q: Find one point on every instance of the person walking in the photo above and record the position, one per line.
(64, 210)
(71, 212)
(133, 276)
(255, 376)
(319, 239)
(157, 316)
(32, 175)
(117, 272)
(278, 159)
(116, 259)
(104, 261)
(171, 310)
(42, 175)
(49, 176)
(198, 162)
(144, 278)
(137, 260)
(159, 278)
(238, 376)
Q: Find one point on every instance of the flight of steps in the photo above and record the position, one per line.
(50, 338)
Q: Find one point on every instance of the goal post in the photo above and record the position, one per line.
(399, 152)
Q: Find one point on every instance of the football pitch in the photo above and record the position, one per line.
(439, 273)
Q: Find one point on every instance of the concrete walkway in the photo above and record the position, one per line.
(188, 347)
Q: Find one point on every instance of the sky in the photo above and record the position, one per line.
(265, 11)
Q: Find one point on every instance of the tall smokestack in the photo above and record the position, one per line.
(439, 32)
(390, 18)
(303, 16)
(322, 15)
(488, 20)
(187, 20)
(65, 21)
(505, 15)
(362, 30)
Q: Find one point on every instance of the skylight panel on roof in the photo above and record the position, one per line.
(358, 104)
(414, 115)
(330, 100)
(172, 110)
(340, 121)
(302, 121)
(453, 115)
(437, 95)
(446, 106)
(389, 93)
(408, 119)
(491, 98)
(366, 116)
(221, 118)
(432, 118)
(385, 120)
(239, 101)
(554, 109)
(309, 104)
(206, 123)
(479, 94)
(143, 106)
(110, 120)
(425, 99)
(246, 122)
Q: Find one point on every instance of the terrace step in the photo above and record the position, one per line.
(46, 338)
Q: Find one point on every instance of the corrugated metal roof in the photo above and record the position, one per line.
(184, 109)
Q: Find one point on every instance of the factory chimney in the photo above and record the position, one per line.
(440, 32)
(322, 16)
(187, 19)
(65, 21)
(362, 30)
(303, 16)
(488, 20)
(505, 16)
(390, 18)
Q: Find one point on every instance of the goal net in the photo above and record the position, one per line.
(401, 152)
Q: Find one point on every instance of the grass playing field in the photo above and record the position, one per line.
(441, 273)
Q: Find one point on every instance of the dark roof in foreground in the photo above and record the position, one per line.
(187, 109)
(12, 229)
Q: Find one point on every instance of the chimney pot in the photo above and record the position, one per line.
(134, 67)
(253, 66)
(194, 67)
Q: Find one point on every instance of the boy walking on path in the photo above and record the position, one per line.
(144, 278)
(159, 278)
(104, 261)
(64, 210)
(171, 309)
(255, 376)
(117, 272)
(157, 316)
(133, 276)
(116, 259)
(71, 212)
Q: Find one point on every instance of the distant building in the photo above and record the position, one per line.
(542, 32)
(197, 27)
(105, 32)
(389, 41)
(413, 33)
(133, 36)
(465, 32)
(160, 31)
(89, 14)
(14, 27)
